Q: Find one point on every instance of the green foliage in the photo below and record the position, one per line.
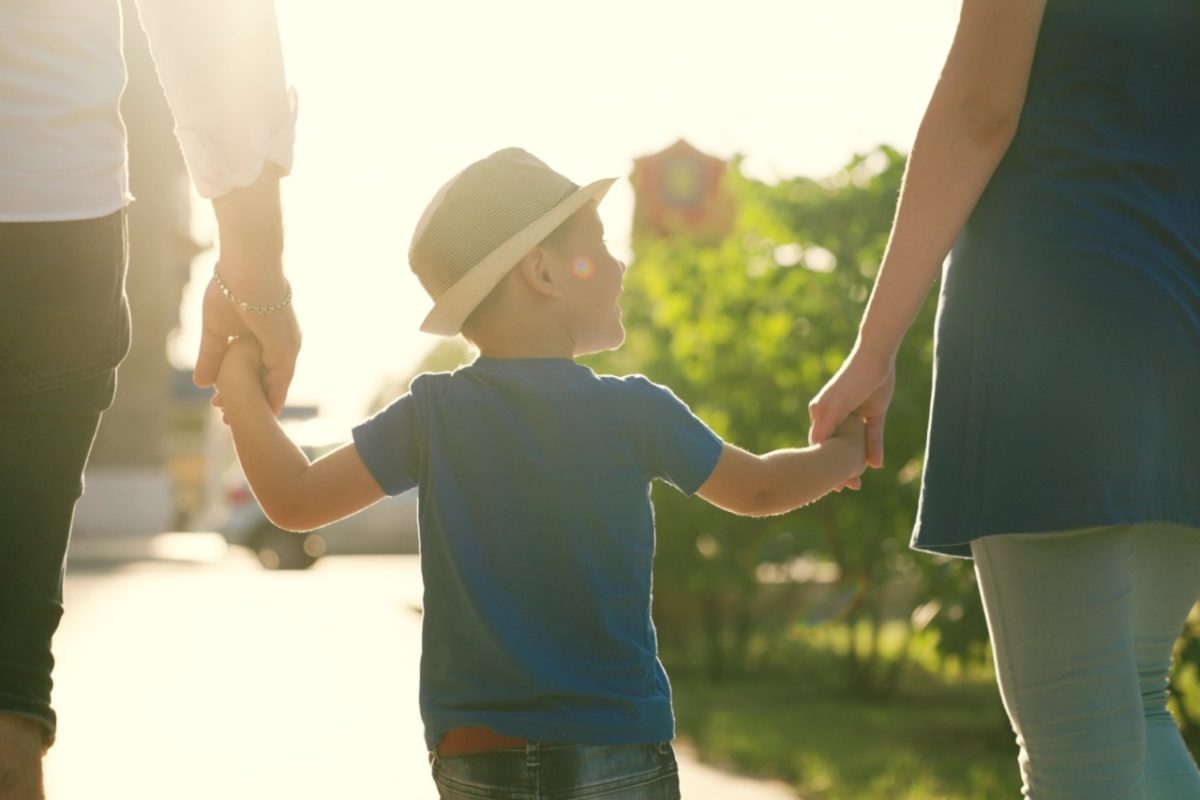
(1185, 682)
(747, 330)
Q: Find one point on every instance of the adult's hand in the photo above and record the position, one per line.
(278, 336)
(863, 385)
(250, 229)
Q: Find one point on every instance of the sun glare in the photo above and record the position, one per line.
(583, 268)
(395, 98)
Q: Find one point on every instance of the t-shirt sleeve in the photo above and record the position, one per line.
(680, 448)
(389, 446)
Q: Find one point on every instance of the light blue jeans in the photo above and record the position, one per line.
(540, 771)
(1083, 624)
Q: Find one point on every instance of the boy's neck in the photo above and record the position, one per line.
(520, 331)
(532, 351)
(516, 344)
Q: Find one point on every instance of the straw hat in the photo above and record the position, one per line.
(481, 223)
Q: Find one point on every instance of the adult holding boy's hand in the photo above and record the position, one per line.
(248, 293)
(863, 385)
(64, 318)
(235, 120)
(1050, 158)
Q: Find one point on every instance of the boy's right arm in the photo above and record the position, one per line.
(295, 494)
(783, 480)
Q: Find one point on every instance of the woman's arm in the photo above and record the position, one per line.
(966, 130)
(294, 494)
(968, 125)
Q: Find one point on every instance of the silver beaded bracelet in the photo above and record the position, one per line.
(243, 305)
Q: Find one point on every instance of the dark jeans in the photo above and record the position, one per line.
(64, 327)
(561, 772)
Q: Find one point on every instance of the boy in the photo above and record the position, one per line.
(539, 669)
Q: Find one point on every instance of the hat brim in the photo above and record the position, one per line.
(456, 303)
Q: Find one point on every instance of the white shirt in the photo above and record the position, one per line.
(62, 141)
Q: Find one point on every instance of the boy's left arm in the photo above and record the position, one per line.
(783, 480)
(295, 494)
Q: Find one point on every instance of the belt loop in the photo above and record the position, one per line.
(533, 755)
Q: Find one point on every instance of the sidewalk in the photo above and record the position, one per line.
(252, 685)
(699, 781)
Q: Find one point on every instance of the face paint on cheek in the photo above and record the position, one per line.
(582, 269)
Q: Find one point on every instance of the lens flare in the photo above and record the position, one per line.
(583, 269)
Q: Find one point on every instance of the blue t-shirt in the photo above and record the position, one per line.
(537, 538)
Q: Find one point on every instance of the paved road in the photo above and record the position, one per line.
(200, 676)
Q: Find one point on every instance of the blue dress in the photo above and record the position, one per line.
(1067, 368)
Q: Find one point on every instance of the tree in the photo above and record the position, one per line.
(747, 329)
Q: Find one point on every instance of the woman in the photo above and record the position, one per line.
(1060, 156)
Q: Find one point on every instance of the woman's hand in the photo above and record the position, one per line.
(863, 385)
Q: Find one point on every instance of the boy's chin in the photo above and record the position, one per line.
(603, 344)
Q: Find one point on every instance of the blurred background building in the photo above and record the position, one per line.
(681, 191)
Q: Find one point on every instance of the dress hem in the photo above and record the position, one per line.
(1054, 520)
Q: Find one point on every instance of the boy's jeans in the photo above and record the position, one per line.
(561, 772)
(64, 326)
(1083, 624)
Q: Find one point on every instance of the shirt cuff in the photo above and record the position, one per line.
(217, 165)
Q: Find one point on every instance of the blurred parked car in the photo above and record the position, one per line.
(389, 526)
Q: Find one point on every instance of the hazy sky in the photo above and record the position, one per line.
(397, 97)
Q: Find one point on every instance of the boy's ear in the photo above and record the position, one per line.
(537, 268)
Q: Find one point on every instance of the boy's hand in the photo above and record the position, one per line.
(853, 431)
(241, 371)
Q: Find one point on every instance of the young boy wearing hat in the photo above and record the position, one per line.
(539, 667)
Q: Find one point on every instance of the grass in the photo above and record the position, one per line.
(936, 739)
(949, 745)
(941, 735)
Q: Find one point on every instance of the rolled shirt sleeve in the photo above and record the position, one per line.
(221, 65)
